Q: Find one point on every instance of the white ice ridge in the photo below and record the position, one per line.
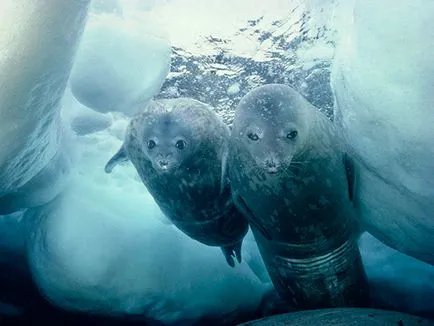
(34, 73)
(121, 63)
(383, 80)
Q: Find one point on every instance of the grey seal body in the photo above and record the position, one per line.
(178, 147)
(288, 176)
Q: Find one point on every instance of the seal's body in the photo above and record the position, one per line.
(178, 147)
(288, 176)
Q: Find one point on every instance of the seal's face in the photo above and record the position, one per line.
(269, 127)
(271, 145)
(166, 143)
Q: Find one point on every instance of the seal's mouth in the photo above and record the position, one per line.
(271, 166)
(163, 165)
(272, 170)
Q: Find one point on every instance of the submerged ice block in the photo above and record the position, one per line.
(383, 82)
(121, 64)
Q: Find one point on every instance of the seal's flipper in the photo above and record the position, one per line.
(351, 176)
(237, 251)
(119, 157)
(245, 210)
(232, 251)
(229, 255)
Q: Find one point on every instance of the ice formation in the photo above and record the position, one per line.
(34, 73)
(102, 248)
(107, 6)
(120, 65)
(383, 83)
(32, 80)
(88, 122)
(397, 281)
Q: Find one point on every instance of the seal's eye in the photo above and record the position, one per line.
(151, 144)
(292, 134)
(253, 136)
(180, 144)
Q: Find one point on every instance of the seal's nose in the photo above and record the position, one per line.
(163, 160)
(163, 163)
(165, 156)
(271, 165)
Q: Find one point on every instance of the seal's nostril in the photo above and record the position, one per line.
(270, 164)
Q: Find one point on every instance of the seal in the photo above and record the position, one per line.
(292, 181)
(178, 147)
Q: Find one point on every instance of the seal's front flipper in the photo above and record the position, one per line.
(237, 250)
(232, 251)
(245, 210)
(120, 157)
(229, 255)
(351, 175)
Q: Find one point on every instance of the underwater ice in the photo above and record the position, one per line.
(397, 281)
(121, 64)
(90, 122)
(107, 248)
(34, 74)
(383, 80)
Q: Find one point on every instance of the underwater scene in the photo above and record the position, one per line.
(216, 162)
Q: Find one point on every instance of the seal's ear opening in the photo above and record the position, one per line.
(120, 157)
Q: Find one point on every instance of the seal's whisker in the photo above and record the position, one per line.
(298, 163)
(287, 170)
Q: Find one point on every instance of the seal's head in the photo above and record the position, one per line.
(270, 124)
(166, 142)
(172, 131)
